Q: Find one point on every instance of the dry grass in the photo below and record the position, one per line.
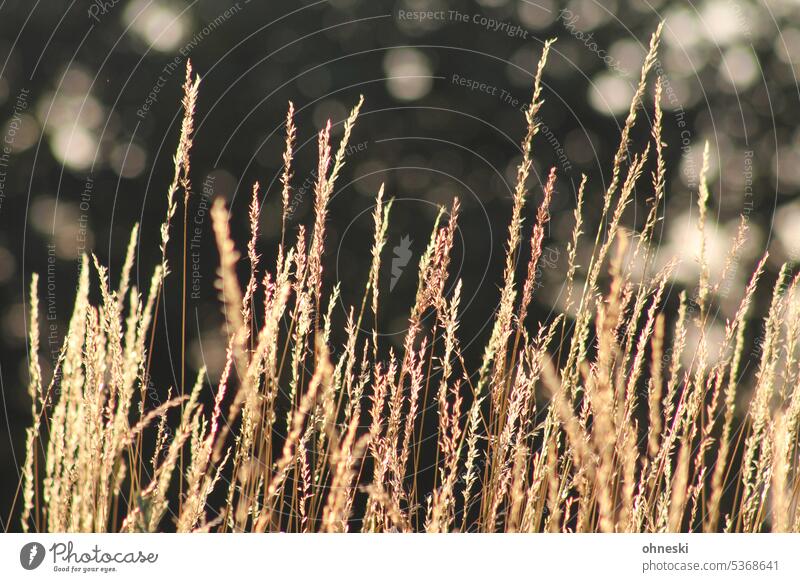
(590, 422)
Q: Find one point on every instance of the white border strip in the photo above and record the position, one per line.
(401, 557)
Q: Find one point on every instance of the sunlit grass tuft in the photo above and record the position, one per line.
(592, 421)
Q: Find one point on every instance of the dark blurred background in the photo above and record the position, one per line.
(89, 114)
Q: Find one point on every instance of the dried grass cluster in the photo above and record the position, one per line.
(588, 423)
